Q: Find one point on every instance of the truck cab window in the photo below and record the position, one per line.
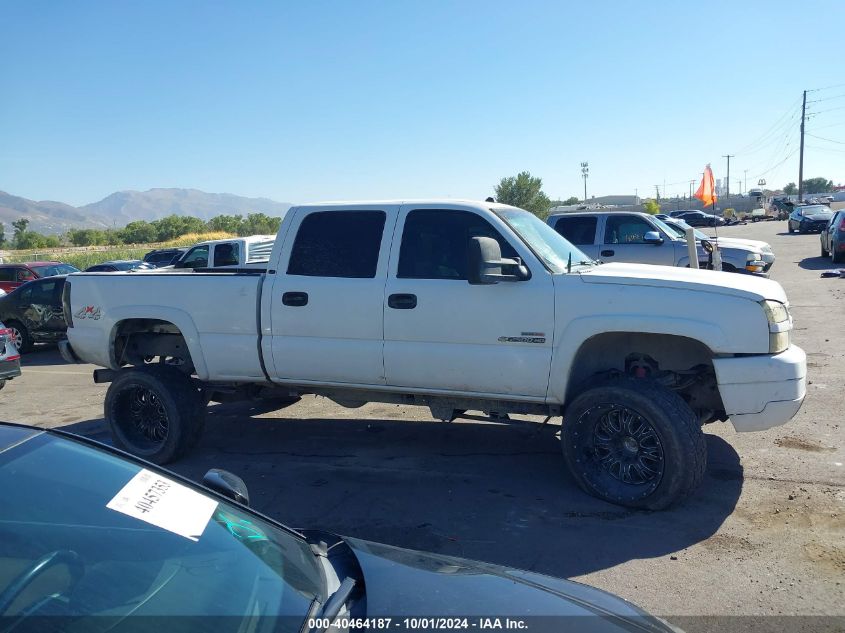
(434, 243)
(625, 229)
(197, 257)
(226, 254)
(338, 244)
(579, 230)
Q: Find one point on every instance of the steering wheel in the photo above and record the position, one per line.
(66, 557)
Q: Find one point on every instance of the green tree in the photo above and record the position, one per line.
(31, 239)
(138, 232)
(259, 224)
(2, 234)
(226, 223)
(571, 200)
(525, 192)
(652, 207)
(20, 228)
(817, 185)
(790, 189)
(86, 237)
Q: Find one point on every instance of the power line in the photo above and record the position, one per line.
(780, 122)
(826, 88)
(822, 138)
(828, 110)
(827, 98)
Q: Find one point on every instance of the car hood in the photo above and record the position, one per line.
(751, 245)
(716, 282)
(407, 583)
(816, 217)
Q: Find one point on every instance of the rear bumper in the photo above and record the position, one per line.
(10, 369)
(760, 392)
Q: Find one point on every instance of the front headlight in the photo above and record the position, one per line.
(780, 325)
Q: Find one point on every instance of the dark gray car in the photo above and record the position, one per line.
(91, 537)
(814, 217)
(832, 238)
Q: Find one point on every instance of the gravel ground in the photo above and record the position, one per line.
(764, 536)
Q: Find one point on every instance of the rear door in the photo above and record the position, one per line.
(623, 241)
(40, 306)
(581, 230)
(327, 298)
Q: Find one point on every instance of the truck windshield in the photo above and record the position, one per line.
(678, 229)
(546, 243)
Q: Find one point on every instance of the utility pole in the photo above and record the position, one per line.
(745, 181)
(691, 183)
(728, 179)
(657, 189)
(585, 171)
(801, 154)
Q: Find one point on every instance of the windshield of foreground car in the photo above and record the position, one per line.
(546, 243)
(51, 270)
(58, 497)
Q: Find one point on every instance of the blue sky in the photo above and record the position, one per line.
(319, 100)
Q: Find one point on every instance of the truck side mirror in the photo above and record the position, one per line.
(484, 265)
(652, 237)
(227, 484)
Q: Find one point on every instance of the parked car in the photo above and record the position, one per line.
(734, 250)
(615, 236)
(164, 256)
(833, 238)
(120, 265)
(10, 358)
(699, 218)
(33, 312)
(455, 306)
(135, 542)
(805, 218)
(15, 275)
(242, 252)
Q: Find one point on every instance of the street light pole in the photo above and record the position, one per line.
(585, 171)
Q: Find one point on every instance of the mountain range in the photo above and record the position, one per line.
(122, 207)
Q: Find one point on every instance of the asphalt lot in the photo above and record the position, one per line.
(765, 534)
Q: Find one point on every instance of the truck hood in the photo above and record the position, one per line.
(750, 245)
(676, 278)
(406, 583)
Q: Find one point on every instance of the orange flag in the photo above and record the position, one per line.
(706, 191)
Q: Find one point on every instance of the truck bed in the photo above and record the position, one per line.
(216, 312)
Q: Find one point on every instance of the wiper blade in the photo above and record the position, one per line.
(334, 604)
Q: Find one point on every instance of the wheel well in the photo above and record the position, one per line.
(144, 341)
(680, 363)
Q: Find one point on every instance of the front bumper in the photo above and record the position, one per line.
(760, 392)
(67, 352)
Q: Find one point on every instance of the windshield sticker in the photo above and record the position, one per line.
(164, 503)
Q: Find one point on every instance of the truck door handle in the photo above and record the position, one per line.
(402, 302)
(608, 253)
(295, 299)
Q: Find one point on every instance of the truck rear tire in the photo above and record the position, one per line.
(156, 413)
(633, 443)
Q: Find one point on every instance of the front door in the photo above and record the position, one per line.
(624, 242)
(442, 333)
(326, 303)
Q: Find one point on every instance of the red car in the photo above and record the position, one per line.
(14, 275)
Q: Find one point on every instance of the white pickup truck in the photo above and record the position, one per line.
(456, 306)
(247, 252)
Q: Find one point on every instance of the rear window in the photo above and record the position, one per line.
(338, 244)
(579, 230)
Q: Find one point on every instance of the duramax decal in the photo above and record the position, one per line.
(525, 337)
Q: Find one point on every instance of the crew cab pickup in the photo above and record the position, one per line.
(456, 306)
(640, 238)
(248, 252)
